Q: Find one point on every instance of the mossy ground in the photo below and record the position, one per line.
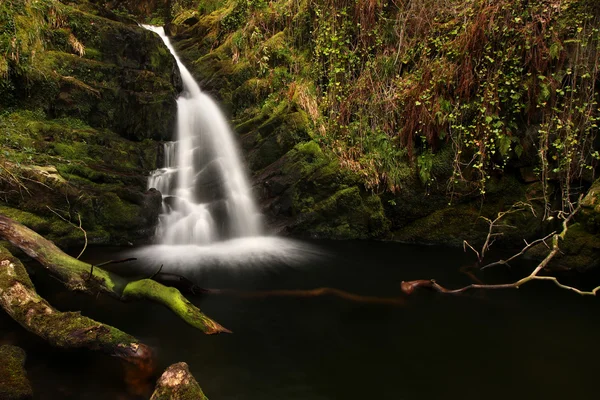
(85, 95)
(14, 384)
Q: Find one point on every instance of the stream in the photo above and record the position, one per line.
(532, 343)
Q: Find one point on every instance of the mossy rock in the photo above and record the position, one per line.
(122, 77)
(590, 209)
(307, 190)
(449, 226)
(270, 145)
(347, 214)
(14, 384)
(580, 250)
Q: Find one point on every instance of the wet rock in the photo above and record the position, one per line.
(219, 211)
(209, 184)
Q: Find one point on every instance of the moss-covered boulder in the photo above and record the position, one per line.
(14, 384)
(307, 193)
(579, 250)
(590, 209)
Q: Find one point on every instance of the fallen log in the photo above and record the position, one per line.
(177, 383)
(77, 275)
(66, 330)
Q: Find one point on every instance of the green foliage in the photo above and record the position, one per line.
(390, 86)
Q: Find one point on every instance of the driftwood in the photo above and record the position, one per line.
(79, 276)
(66, 330)
(177, 383)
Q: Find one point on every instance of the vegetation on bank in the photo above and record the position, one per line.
(484, 87)
(417, 104)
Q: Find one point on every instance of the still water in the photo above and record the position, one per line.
(537, 342)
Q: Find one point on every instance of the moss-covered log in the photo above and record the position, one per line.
(66, 330)
(178, 383)
(75, 275)
(14, 384)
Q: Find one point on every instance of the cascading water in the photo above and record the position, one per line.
(206, 197)
(209, 218)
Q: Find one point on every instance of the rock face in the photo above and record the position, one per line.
(86, 99)
(302, 189)
(14, 384)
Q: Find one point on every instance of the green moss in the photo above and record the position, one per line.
(449, 226)
(590, 212)
(173, 299)
(305, 159)
(28, 219)
(14, 384)
(347, 214)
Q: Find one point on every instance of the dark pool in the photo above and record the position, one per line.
(538, 342)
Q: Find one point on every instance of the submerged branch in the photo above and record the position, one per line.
(77, 275)
(323, 291)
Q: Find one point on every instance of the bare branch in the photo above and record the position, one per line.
(527, 247)
(78, 227)
(411, 286)
(467, 244)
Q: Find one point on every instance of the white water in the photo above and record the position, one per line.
(206, 196)
(209, 219)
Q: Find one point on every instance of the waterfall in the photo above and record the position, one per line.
(206, 196)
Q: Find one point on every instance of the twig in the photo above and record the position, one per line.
(157, 272)
(80, 227)
(491, 236)
(116, 262)
(527, 247)
(106, 263)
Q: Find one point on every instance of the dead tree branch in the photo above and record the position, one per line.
(411, 286)
(495, 223)
(78, 227)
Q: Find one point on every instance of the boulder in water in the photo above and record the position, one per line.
(209, 184)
